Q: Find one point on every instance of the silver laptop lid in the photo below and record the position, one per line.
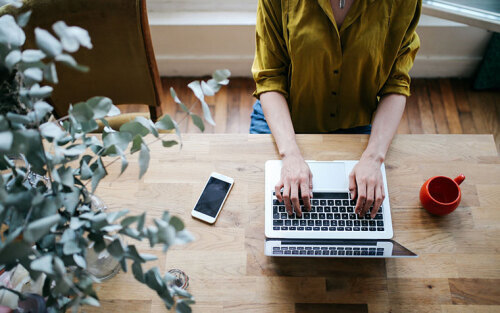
(336, 248)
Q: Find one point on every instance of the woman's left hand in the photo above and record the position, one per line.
(366, 183)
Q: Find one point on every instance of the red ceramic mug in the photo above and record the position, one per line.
(440, 195)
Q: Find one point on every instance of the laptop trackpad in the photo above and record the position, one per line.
(329, 176)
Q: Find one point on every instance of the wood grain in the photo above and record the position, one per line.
(458, 268)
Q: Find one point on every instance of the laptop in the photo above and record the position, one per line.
(331, 228)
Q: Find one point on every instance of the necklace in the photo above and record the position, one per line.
(341, 4)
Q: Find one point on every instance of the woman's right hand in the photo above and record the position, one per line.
(295, 176)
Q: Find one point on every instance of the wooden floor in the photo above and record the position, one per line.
(437, 106)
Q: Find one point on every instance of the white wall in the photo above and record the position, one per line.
(195, 42)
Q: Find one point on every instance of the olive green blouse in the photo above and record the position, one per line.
(332, 78)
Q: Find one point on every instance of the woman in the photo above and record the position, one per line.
(333, 66)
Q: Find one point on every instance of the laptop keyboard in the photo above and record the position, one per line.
(328, 251)
(330, 211)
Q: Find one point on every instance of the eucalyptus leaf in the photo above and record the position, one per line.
(47, 43)
(6, 138)
(221, 76)
(23, 18)
(207, 90)
(12, 252)
(68, 60)
(40, 92)
(98, 173)
(182, 307)
(35, 230)
(117, 138)
(100, 106)
(51, 131)
(80, 261)
(71, 247)
(116, 249)
(43, 264)
(143, 160)
(11, 35)
(90, 301)
(177, 100)
(12, 59)
(195, 86)
(42, 108)
(176, 223)
(198, 122)
(136, 144)
(165, 123)
(168, 143)
(72, 36)
(34, 74)
(137, 271)
(32, 55)
(50, 73)
(134, 128)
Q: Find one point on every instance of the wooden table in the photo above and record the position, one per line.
(457, 271)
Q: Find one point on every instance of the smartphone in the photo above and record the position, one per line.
(212, 198)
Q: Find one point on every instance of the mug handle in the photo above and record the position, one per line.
(459, 179)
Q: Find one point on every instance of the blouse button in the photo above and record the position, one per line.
(335, 72)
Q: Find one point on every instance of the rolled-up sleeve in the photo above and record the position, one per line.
(271, 62)
(398, 81)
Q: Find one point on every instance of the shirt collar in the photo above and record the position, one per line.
(354, 12)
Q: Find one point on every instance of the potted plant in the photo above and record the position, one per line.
(49, 223)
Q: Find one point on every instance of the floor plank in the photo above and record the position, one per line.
(443, 106)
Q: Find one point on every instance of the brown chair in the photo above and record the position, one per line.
(122, 63)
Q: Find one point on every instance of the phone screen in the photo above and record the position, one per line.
(212, 197)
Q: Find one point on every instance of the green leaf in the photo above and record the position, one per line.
(80, 261)
(168, 143)
(143, 160)
(70, 200)
(117, 138)
(12, 59)
(176, 223)
(72, 36)
(43, 264)
(148, 124)
(165, 123)
(23, 19)
(134, 128)
(137, 271)
(98, 173)
(141, 221)
(100, 106)
(81, 111)
(90, 301)
(182, 307)
(32, 55)
(154, 281)
(207, 90)
(195, 86)
(124, 164)
(71, 247)
(221, 76)
(177, 100)
(116, 249)
(35, 230)
(40, 92)
(136, 144)
(50, 130)
(12, 252)
(47, 43)
(19, 118)
(133, 233)
(113, 216)
(74, 150)
(50, 73)
(68, 60)
(85, 171)
(6, 138)
(11, 35)
(33, 74)
(148, 257)
(198, 122)
(42, 108)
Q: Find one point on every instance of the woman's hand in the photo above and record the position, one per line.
(366, 183)
(295, 176)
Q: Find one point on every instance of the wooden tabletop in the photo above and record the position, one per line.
(457, 271)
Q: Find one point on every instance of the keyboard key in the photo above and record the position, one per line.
(324, 228)
(284, 228)
(322, 202)
(313, 209)
(282, 209)
(331, 248)
(380, 223)
(348, 228)
(364, 252)
(310, 223)
(276, 216)
(292, 248)
(288, 252)
(357, 223)
(307, 215)
(326, 252)
(295, 252)
(364, 228)
(340, 248)
(288, 223)
(372, 223)
(316, 228)
(295, 223)
(341, 223)
(333, 252)
(284, 216)
(275, 209)
(315, 202)
(348, 223)
(338, 202)
(356, 228)
(341, 252)
(332, 228)
(314, 216)
(302, 252)
(371, 249)
(300, 228)
(378, 216)
(327, 209)
(348, 252)
(309, 252)
(340, 228)
(337, 216)
(368, 216)
(357, 252)
(317, 252)
(317, 223)
(293, 228)
(364, 223)
(333, 223)
(277, 252)
(352, 202)
(321, 216)
(335, 209)
(345, 216)
(329, 216)
(343, 209)
(276, 248)
(326, 223)
(352, 216)
(277, 223)
(345, 202)
(316, 248)
(373, 228)
(276, 202)
(371, 253)
(303, 223)
(350, 209)
(276, 228)
(324, 248)
(380, 228)
(380, 253)
(330, 202)
(319, 209)
(309, 228)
